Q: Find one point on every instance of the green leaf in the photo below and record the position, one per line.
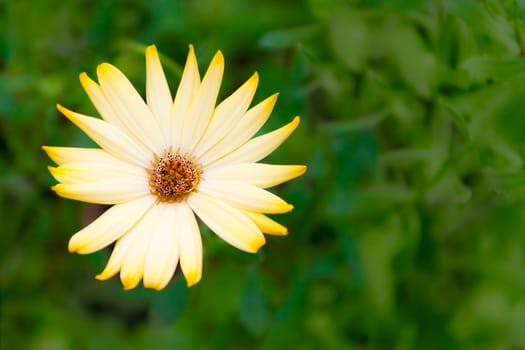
(481, 69)
(169, 304)
(324, 8)
(253, 311)
(284, 38)
(416, 65)
(349, 37)
(511, 182)
(458, 118)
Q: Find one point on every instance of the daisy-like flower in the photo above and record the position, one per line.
(165, 159)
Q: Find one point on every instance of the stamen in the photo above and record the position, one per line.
(173, 176)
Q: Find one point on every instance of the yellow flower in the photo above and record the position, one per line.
(165, 159)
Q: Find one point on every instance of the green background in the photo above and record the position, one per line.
(408, 227)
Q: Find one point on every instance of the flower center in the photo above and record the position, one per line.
(173, 176)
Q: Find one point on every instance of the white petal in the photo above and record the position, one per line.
(130, 107)
(163, 253)
(134, 262)
(227, 114)
(95, 172)
(241, 132)
(266, 224)
(101, 103)
(158, 92)
(257, 148)
(63, 155)
(110, 226)
(103, 192)
(245, 196)
(258, 174)
(227, 222)
(189, 244)
(110, 138)
(119, 253)
(188, 88)
(202, 107)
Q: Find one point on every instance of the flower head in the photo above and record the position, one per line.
(163, 160)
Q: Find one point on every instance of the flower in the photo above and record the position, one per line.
(163, 160)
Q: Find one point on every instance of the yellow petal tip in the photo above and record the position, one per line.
(152, 53)
(155, 286)
(191, 56)
(86, 81)
(256, 245)
(66, 112)
(272, 100)
(192, 278)
(280, 232)
(104, 68)
(129, 283)
(254, 79)
(104, 275)
(73, 246)
(302, 169)
(218, 59)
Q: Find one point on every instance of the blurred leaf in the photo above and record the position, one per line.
(285, 329)
(378, 248)
(323, 8)
(361, 123)
(355, 155)
(169, 304)
(348, 34)
(481, 69)
(416, 65)
(369, 202)
(496, 33)
(253, 311)
(511, 182)
(281, 39)
(460, 120)
(449, 189)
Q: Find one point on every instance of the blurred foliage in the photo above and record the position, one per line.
(407, 232)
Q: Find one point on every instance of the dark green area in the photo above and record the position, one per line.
(408, 228)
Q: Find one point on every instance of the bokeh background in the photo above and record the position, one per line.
(408, 228)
